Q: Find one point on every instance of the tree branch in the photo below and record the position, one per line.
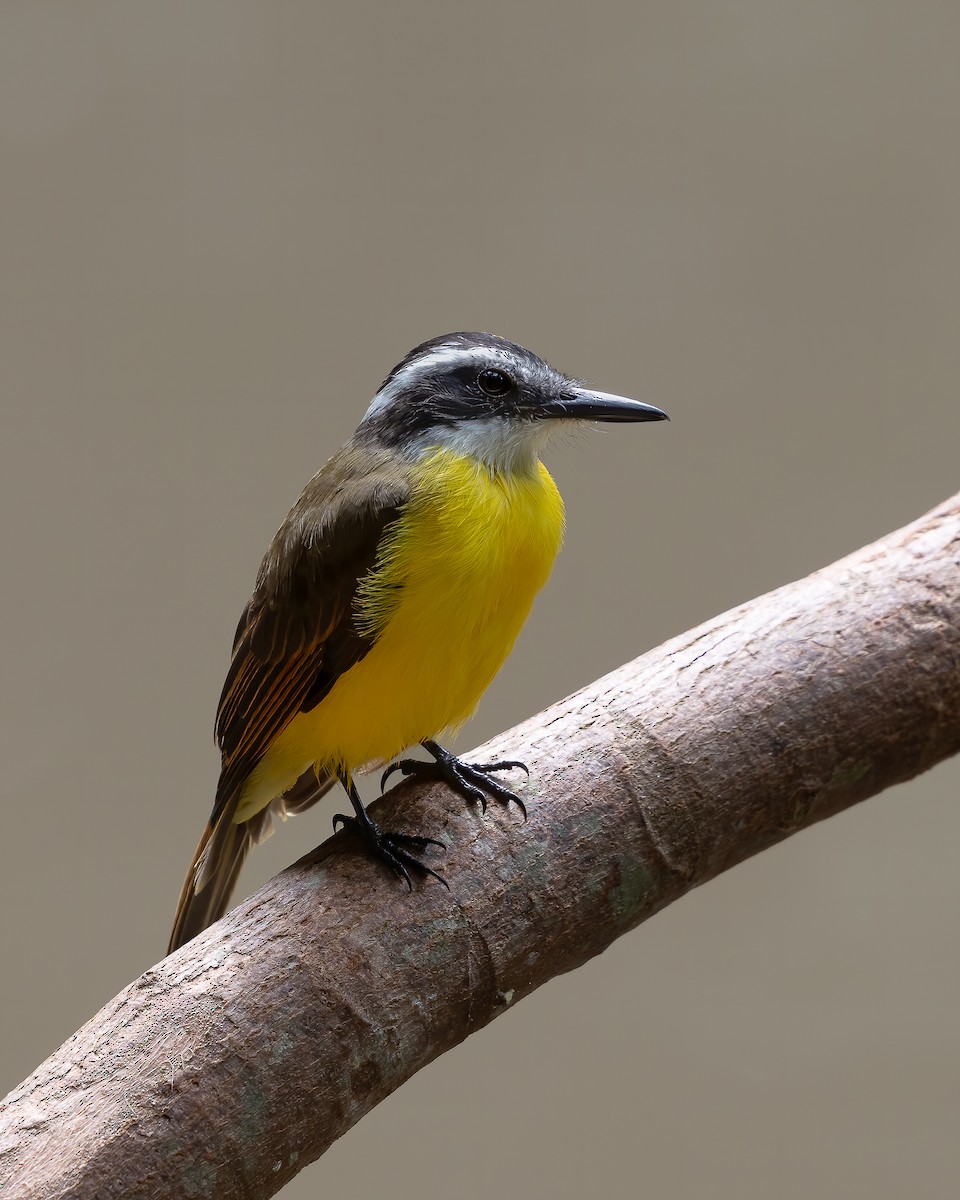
(231, 1065)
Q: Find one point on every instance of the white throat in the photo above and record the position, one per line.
(502, 445)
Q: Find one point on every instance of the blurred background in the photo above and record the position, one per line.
(222, 224)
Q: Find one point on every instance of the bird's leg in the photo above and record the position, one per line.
(474, 781)
(391, 848)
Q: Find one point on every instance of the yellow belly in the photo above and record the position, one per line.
(453, 584)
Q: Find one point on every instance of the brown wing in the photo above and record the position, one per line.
(298, 632)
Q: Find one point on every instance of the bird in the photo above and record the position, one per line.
(389, 599)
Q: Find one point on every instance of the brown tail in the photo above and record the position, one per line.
(219, 857)
(205, 895)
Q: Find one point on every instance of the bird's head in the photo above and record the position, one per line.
(486, 397)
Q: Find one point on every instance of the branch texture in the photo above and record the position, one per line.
(229, 1066)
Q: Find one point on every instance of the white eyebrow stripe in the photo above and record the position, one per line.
(445, 356)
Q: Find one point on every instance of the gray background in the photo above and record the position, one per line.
(222, 224)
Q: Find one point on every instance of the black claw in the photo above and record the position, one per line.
(406, 766)
(474, 781)
(415, 840)
(389, 847)
(507, 765)
(398, 868)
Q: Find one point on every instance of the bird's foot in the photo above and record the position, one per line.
(393, 848)
(474, 781)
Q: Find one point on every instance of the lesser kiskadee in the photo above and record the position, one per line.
(389, 598)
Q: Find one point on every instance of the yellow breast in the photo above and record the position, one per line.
(453, 583)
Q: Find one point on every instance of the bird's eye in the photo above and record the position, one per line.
(494, 383)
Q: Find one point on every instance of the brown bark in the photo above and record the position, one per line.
(229, 1066)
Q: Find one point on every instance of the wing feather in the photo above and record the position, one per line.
(298, 633)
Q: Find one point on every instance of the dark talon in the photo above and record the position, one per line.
(511, 764)
(406, 766)
(388, 847)
(472, 780)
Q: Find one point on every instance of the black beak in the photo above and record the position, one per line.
(581, 404)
